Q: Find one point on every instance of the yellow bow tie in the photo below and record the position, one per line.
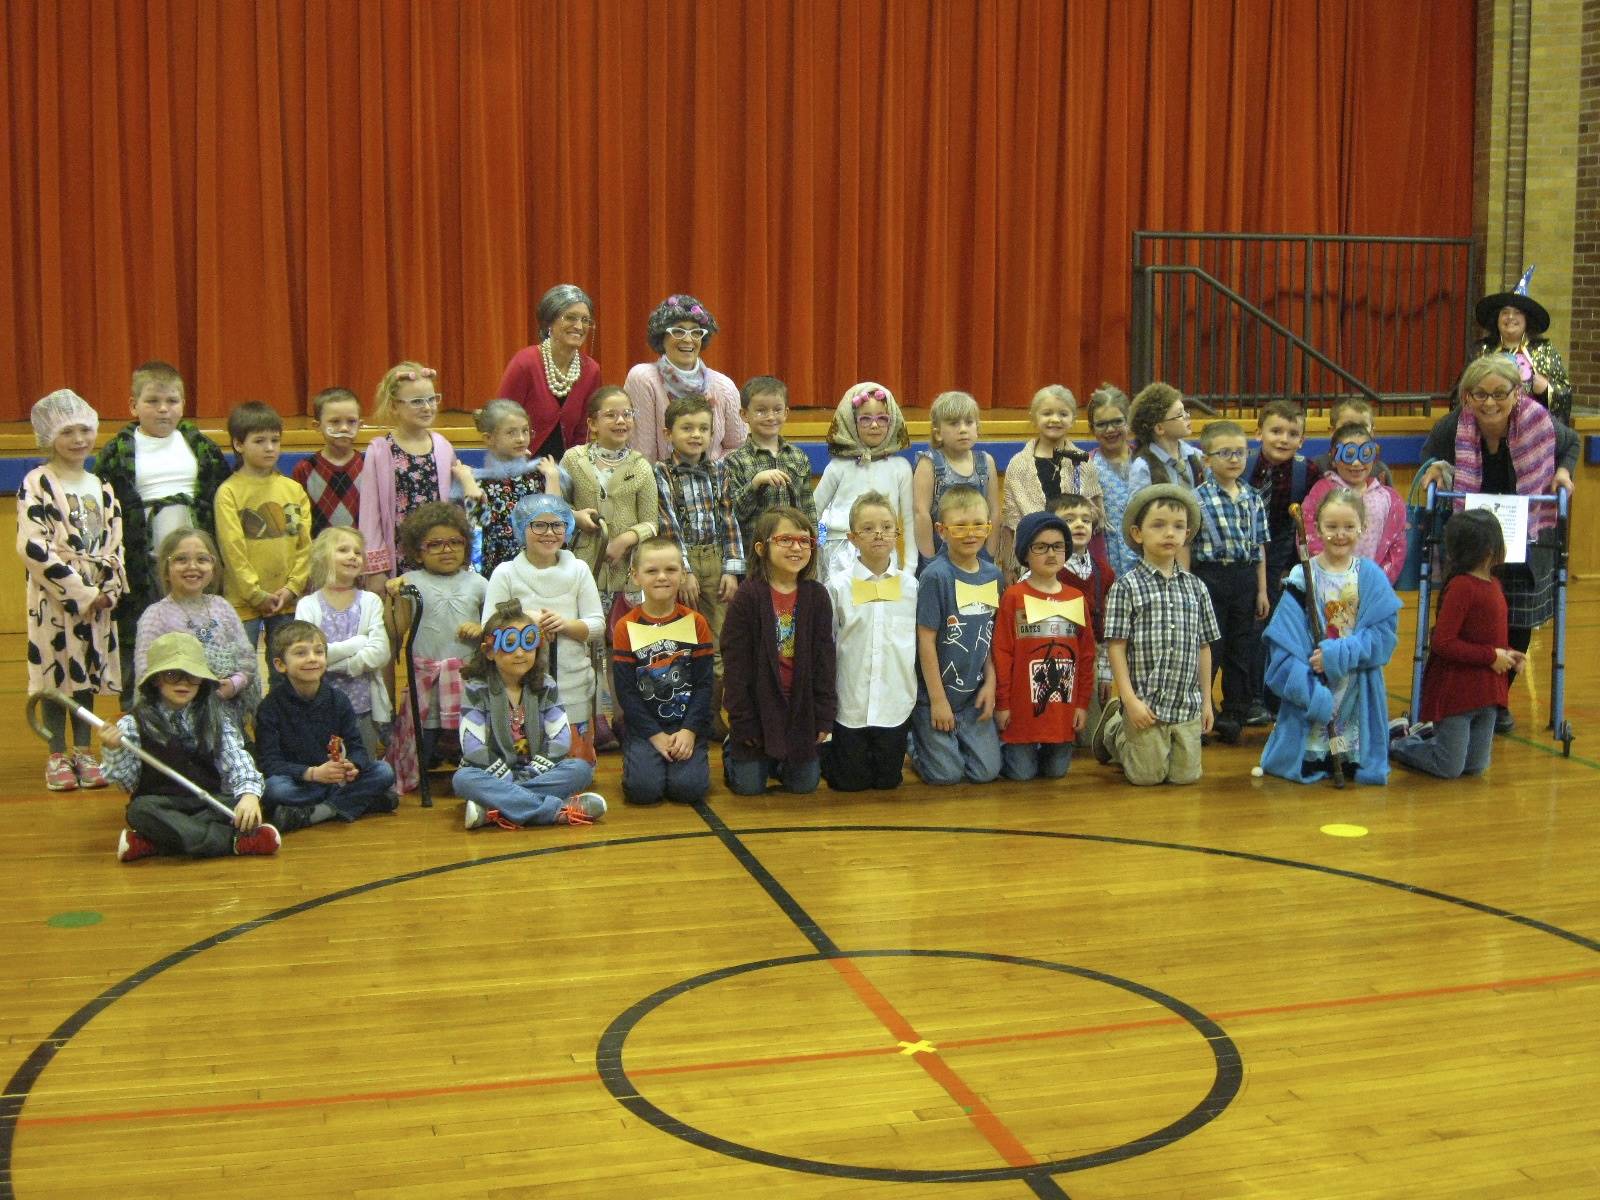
(977, 593)
(1037, 609)
(865, 591)
(682, 630)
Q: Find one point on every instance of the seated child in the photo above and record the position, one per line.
(778, 646)
(351, 619)
(514, 736)
(875, 634)
(661, 675)
(953, 735)
(1159, 630)
(177, 719)
(437, 535)
(1043, 657)
(1469, 657)
(1383, 525)
(1330, 687)
(309, 743)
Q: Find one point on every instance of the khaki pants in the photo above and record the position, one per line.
(1161, 754)
(706, 564)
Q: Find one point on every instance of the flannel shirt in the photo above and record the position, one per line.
(697, 509)
(1231, 531)
(238, 770)
(1165, 619)
(439, 678)
(1275, 482)
(749, 502)
(331, 490)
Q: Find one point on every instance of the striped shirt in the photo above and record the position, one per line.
(697, 509)
(1164, 619)
(1232, 529)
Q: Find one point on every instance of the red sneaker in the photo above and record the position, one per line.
(263, 839)
(133, 845)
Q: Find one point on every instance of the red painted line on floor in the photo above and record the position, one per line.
(983, 1118)
(905, 1034)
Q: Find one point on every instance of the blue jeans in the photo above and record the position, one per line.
(1034, 760)
(970, 752)
(526, 798)
(1460, 745)
(749, 776)
(252, 634)
(349, 800)
(647, 778)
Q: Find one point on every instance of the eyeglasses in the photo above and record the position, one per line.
(196, 560)
(176, 676)
(424, 401)
(1180, 415)
(1048, 548)
(872, 419)
(791, 541)
(434, 545)
(1110, 426)
(578, 322)
(547, 528)
(1351, 453)
(1234, 455)
(968, 529)
(1483, 397)
(693, 333)
(619, 414)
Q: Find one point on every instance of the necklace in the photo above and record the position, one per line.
(561, 382)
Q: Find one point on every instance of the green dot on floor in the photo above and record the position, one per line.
(74, 920)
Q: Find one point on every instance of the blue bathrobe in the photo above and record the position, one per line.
(1306, 700)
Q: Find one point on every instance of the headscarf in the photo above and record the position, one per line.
(844, 438)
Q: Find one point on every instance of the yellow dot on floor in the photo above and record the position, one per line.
(1345, 830)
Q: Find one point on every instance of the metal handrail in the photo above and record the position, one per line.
(1144, 365)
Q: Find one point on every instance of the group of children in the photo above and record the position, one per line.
(554, 609)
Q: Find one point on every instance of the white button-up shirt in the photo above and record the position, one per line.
(876, 650)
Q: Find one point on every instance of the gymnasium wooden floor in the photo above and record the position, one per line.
(1083, 990)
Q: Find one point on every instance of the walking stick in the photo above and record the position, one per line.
(410, 592)
(83, 714)
(1314, 627)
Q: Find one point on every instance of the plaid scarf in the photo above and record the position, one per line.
(1531, 435)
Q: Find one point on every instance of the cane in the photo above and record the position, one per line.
(83, 714)
(1314, 627)
(410, 592)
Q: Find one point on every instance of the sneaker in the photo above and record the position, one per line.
(604, 738)
(1399, 728)
(1422, 729)
(473, 815)
(131, 845)
(291, 818)
(1259, 715)
(263, 839)
(59, 775)
(88, 771)
(1227, 730)
(1504, 722)
(387, 803)
(1100, 741)
(583, 809)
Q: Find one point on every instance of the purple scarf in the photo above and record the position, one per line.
(1532, 436)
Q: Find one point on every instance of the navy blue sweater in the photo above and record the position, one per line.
(292, 731)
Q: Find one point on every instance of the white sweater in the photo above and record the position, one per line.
(568, 590)
(365, 654)
(844, 480)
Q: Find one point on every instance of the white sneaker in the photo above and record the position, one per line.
(473, 815)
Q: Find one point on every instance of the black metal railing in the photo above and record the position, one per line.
(1234, 320)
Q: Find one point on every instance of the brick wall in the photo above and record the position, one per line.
(1583, 344)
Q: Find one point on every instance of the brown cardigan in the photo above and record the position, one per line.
(762, 721)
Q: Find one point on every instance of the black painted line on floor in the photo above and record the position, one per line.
(780, 895)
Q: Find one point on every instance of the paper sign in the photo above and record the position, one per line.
(1512, 513)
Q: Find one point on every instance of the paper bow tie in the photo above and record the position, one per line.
(977, 593)
(865, 591)
(682, 630)
(1037, 609)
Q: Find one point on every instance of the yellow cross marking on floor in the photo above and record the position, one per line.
(923, 1047)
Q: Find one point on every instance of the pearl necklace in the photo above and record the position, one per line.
(560, 383)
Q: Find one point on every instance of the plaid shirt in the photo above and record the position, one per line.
(697, 509)
(749, 502)
(238, 770)
(1231, 531)
(1274, 481)
(1165, 619)
(331, 490)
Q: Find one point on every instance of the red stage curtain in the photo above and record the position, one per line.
(282, 195)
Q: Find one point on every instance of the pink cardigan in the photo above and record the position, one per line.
(1384, 538)
(649, 396)
(375, 486)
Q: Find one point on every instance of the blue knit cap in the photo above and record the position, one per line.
(1032, 525)
(539, 505)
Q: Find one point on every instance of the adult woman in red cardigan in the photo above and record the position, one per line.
(1501, 441)
(554, 379)
(679, 331)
